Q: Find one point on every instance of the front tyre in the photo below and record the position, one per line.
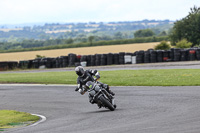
(106, 103)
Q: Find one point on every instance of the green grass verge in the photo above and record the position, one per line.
(11, 118)
(171, 77)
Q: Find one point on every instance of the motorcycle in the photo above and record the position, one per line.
(100, 95)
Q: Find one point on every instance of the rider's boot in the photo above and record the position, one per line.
(91, 100)
(109, 91)
(112, 93)
(99, 105)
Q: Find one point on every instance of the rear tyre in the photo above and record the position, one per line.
(107, 103)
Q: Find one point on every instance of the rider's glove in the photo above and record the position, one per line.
(97, 77)
(81, 91)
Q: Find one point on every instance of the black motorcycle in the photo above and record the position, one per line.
(100, 96)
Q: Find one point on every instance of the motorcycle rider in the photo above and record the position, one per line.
(87, 75)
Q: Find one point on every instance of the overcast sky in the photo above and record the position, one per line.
(31, 11)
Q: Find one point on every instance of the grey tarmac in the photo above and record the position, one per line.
(140, 109)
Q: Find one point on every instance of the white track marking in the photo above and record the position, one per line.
(43, 118)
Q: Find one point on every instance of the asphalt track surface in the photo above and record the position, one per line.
(140, 109)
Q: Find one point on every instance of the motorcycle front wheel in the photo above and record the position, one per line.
(106, 103)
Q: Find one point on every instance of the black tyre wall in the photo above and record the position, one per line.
(184, 55)
(72, 59)
(192, 54)
(36, 63)
(109, 59)
(83, 58)
(165, 56)
(93, 58)
(153, 56)
(140, 56)
(89, 60)
(65, 61)
(177, 54)
(147, 57)
(103, 60)
(172, 54)
(198, 53)
(97, 60)
(116, 59)
(159, 56)
(121, 57)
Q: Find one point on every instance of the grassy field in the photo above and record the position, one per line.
(82, 51)
(11, 118)
(168, 77)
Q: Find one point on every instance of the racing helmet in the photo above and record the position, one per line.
(80, 71)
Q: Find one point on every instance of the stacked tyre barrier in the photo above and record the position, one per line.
(23, 64)
(103, 60)
(48, 62)
(93, 57)
(121, 57)
(58, 62)
(72, 60)
(26, 64)
(110, 59)
(36, 63)
(198, 54)
(97, 60)
(153, 56)
(184, 55)
(174, 54)
(140, 56)
(166, 56)
(83, 60)
(192, 54)
(116, 58)
(177, 54)
(147, 57)
(8, 65)
(89, 60)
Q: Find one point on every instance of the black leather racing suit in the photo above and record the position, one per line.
(88, 76)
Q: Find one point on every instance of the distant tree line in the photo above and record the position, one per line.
(72, 38)
(80, 31)
(101, 33)
(36, 44)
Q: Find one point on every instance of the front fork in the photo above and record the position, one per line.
(109, 97)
